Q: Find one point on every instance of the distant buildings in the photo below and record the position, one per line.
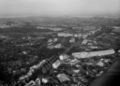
(59, 45)
(65, 34)
(63, 56)
(92, 54)
(116, 29)
(72, 40)
(3, 37)
(56, 64)
(62, 34)
(55, 29)
(63, 77)
(4, 26)
(49, 28)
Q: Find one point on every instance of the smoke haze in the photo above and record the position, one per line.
(59, 8)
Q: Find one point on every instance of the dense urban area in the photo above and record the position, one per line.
(45, 51)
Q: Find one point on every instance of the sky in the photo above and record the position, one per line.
(59, 8)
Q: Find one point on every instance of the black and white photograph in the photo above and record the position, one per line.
(59, 42)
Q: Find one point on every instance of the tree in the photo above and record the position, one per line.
(117, 45)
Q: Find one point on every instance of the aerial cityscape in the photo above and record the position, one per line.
(57, 51)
